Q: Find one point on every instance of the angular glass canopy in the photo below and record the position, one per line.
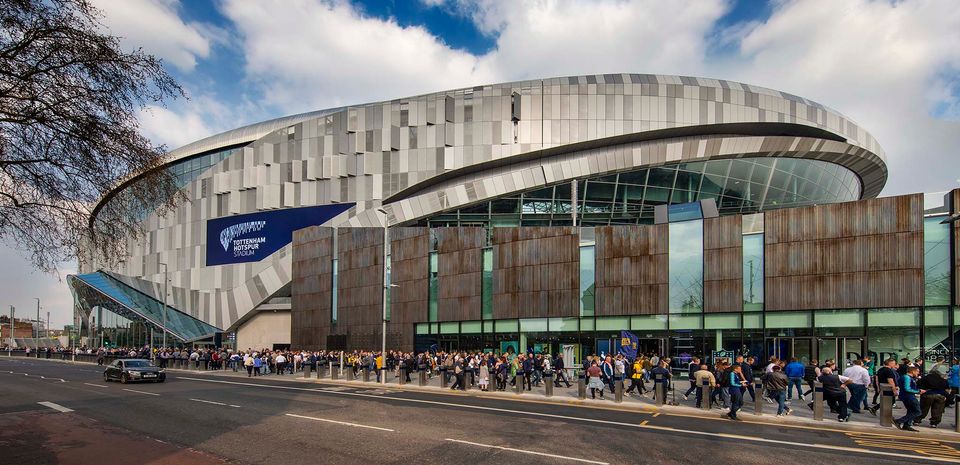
(100, 289)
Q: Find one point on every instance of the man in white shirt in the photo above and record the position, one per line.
(281, 362)
(859, 380)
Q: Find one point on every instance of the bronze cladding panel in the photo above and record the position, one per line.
(723, 264)
(631, 270)
(460, 273)
(360, 286)
(536, 272)
(311, 286)
(865, 254)
(409, 268)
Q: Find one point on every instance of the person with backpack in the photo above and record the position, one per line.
(810, 374)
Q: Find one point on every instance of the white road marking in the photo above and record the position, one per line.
(355, 425)
(544, 454)
(54, 406)
(96, 385)
(142, 392)
(208, 402)
(581, 419)
(235, 406)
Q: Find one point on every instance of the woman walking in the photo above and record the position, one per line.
(593, 374)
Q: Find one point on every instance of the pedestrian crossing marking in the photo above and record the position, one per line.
(927, 447)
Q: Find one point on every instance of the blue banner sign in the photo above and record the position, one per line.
(254, 236)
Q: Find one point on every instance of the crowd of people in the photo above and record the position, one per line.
(923, 394)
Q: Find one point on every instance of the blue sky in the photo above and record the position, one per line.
(891, 66)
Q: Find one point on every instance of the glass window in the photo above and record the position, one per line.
(613, 323)
(434, 288)
(587, 280)
(423, 328)
(649, 322)
(487, 286)
(533, 324)
(780, 320)
(753, 272)
(684, 212)
(752, 321)
(685, 322)
(936, 335)
(894, 333)
(488, 326)
(721, 321)
(936, 261)
(564, 324)
(587, 324)
(839, 318)
(471, 327)
(449, 327)
(686, 267)
(507, 326)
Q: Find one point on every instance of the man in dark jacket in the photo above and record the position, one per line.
(665, 375)
(775, 385)
(746, 367)
(835, 393)
(934, 388)
(692, 368)
(558, 366)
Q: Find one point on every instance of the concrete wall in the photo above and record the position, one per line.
(265, 329)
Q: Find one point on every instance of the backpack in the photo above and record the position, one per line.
(809, 373)
(725, 378)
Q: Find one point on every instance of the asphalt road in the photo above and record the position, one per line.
(201, 419)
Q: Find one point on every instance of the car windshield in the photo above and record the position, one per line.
(138, 364)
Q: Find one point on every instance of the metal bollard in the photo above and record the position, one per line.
(307, 369)
(618, 385)
(706, 395)
(518, 384)
(444, 381)
(548, 383)
(818, 401)
(333, 372)
(319, 369)
(659, 389)
(366, 374)
(886, 405)
(956, 417)
(403, 376)
(758, 401)
(581, 387)
(464, 381)
(423, 377)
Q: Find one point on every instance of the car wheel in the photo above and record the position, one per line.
(124, 378)
(106, 378)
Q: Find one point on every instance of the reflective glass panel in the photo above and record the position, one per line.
(753, 273)
(686, 267)
(936, 261)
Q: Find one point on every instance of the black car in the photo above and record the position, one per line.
(134, 369)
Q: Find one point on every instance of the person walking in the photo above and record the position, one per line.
(561, 375)
(859, 380)
(934, 398)
(701, 376)
(664, 375)
(608, 372)
(834, 393)
(886, 376)
(775, 384)
(595, 384)
(692, 369)
(908, 395)
(737, 384)
(636, 377)
(810, 374)
(794, 372)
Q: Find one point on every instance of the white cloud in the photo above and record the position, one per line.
(879, 63)
(312, 54)
(156, 26)
(173, 128)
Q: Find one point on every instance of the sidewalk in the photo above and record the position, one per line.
(802, 415)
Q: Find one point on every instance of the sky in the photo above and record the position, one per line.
(891, 66)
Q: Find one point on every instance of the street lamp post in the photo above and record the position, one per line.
(386, 287)
(165, 281)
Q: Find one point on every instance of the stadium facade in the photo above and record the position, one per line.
(699, 214)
